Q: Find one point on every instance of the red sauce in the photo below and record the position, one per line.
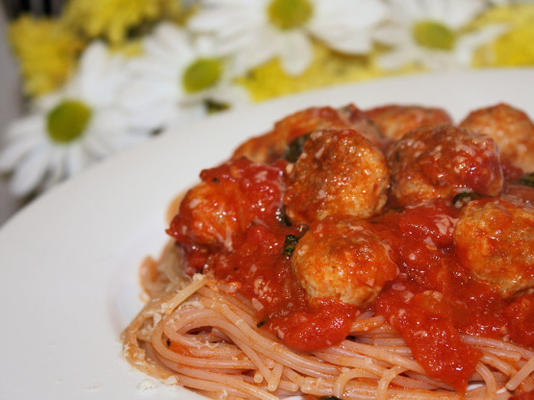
(520, 316)
(257, 265)
(426, 324)
(524, 396)
(432, 302)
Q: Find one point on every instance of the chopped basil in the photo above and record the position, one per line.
(330, 398)
(260, 324)
(213, 106)
(290, 244)
(294, 150)
(528, 179)
(461, 199)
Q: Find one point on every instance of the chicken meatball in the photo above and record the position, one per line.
(342, 257)
(216, 211)
(274, 144)
(338, 172)
(394, 121)
(495, 240)
(361, 123)
(512, 130)
(442, 161)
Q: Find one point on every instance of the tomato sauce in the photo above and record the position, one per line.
(258, 265)
(524, 396)
(432, 303)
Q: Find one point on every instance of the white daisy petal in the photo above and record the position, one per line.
(460, 12)
(392, 35)
(469, 42)
(30, 171)
(396, 59)
(55, 170)
(75, 160)
(232, 95)
(345, 26)
(255, 54)
(185, 115)
(296, 53)
(23, 127)
(11, 154)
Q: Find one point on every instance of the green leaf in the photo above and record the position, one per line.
(294, 150)
(290, 244)
(461, 199)
(528, 179)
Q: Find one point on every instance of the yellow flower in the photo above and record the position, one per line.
(328, 68)
(514, 48)
(46, 52)
(115, 19)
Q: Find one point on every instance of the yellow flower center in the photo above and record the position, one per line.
(433, 35)
(202, 74)
(289, 14)
(67, 121)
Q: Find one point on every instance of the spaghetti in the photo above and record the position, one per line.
(208, 341)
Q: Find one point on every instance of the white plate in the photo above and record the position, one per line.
(69, 261)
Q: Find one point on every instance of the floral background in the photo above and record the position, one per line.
(105, 74)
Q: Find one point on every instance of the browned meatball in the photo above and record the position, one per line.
(511, 128)
(519, 194)
(273, 145)
(441, 161)
(338, 172)
(209, 215)
(495, 240)
(230, 197)
(394, 121)
(342, 258)
(362, 124)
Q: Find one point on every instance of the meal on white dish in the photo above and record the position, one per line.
(352, 254)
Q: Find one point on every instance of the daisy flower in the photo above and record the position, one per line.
(428, 33)
(176, 78)
(70, 128)
(256, 31)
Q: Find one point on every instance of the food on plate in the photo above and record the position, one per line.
(396, 120)
(490, 239)
(354, 255)
(276, 143)
(337, 172)
(342, 258)
(441, 161)
(510, 127)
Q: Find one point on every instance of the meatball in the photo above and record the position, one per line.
(338, 172)
(342, 257)
(442, 161)
(229, 198)
(512, 130)
(394, 121)
(209, 215)
(519, 194)
(273, 145)
(495, 240)
(361, 123)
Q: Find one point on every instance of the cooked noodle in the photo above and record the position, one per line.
(207, 339)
